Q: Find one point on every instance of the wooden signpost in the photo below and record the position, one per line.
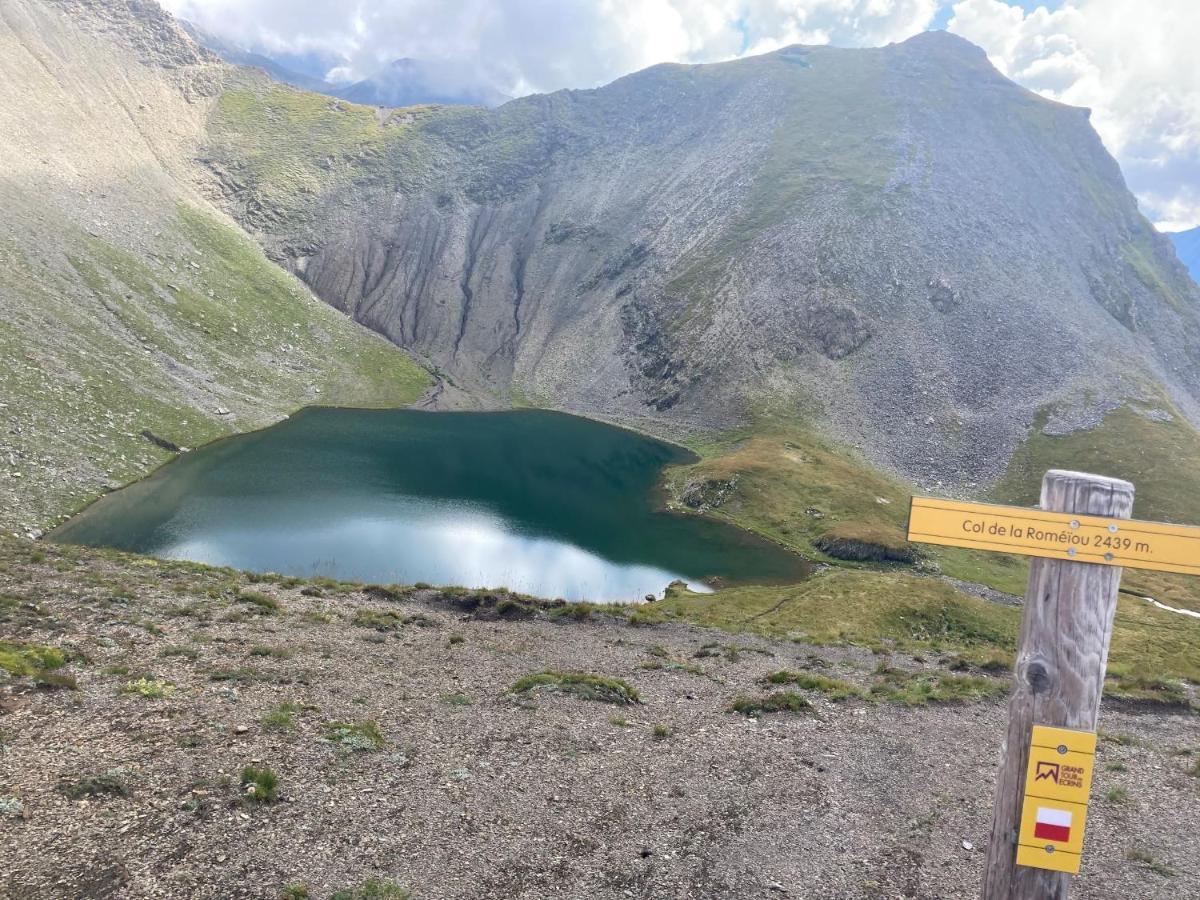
(1080, 537)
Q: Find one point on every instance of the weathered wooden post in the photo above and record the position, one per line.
(1065, 632)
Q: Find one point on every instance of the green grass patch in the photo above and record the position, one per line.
(261, 604)
(259, 785)
(794, 488)
(19, 658)
(149, 688)
(778, 701)
(852, 606)
(281, 718)
(921, 688)
(579, 684)
(832, 688)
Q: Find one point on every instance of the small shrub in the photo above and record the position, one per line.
(780, 701)
(580, 684)
(149, 688)
(619, 721)
(259, 785)
(110, 784)
(457, 699)
(311, 591)
(115, 670)
(362, 736)
(260, 603)
(294, 892)
(456, 639)
(660, 732)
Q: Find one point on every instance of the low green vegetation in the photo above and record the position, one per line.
(1116, 795)
(19, 658)
(109, 784)
(579, 684)
(379, 619)
(363, 736)
(281, 718)
(778, 701)
(373, 889)
(852, 606)
(149, 688)
(259, 785)
(261, 604)
(920, 688)
(832, 688)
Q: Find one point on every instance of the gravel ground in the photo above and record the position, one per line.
(481, 793)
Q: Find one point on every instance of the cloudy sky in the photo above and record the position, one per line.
(1131, 61)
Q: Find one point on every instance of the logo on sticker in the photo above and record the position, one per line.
(1047, 770)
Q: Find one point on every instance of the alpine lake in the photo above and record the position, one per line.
(538, 502)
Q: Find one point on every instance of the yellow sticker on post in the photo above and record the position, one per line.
(1057, 782)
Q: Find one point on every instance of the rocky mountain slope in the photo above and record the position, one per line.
(898, 243)
(1187, 246)
(129, 302)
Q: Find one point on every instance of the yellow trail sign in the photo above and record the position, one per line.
(1035, 532)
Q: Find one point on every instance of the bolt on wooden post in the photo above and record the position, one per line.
(1066, 628)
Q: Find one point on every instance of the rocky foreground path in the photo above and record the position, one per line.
(193, 733)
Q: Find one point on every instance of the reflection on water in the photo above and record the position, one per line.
(541, 503)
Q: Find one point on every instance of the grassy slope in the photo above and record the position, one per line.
(1162, 459)
(285, 143)
(784, 474)
(83, 353)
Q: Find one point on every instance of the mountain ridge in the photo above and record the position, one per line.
(796, 229)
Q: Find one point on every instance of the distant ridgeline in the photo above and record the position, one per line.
(1187, 245)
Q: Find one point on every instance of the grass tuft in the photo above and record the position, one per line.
(779, 701)
(579, 684)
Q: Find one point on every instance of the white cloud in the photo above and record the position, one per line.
(542, 45)
(1132, 62)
